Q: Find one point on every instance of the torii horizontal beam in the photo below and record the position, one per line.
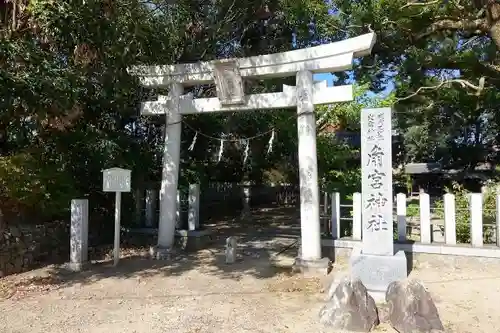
(279, 100)
(333, 57)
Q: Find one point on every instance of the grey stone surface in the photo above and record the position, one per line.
(151, 204)
(320, 266)
(161, 253)
(411, 308)
(193, 240)
(350, 308)
(228, 82)
(376, 181)
(383, 312)
(193, 233)
(377, 272)
(79, 233)
(77, 267)
(230, 250)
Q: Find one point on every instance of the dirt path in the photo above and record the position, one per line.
(141, 297)
(200, 293)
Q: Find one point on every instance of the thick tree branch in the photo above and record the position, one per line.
(430, 3)
(478, 26)
(493, 19)
(464, 83)
(450, 62)
(420, 4)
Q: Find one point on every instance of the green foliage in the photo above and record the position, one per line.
(462, 212)
(413, 210)
(339, 162)
(436, 57)
(68, 107)
(30, 184)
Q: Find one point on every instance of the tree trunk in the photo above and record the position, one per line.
(493, 16)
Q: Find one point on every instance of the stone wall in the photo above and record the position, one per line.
(26, 247)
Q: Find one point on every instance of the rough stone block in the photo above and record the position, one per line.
(321, 266)
(350, 308)
(162, 253)
(193, 240)
(77, 267)
(230, 251)
(411, 308)
(378, 271)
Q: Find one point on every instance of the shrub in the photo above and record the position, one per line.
(412, 210)
(462, 212)
(31, 185)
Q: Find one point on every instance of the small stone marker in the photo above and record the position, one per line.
(411, 308)
(231, 245)
(116, 180)
(194, 207)
(79, 233)
(245, 213)
(350, 308)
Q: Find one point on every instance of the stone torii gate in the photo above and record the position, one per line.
(228, 75)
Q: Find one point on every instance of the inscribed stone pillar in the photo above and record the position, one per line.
(79, 231)
(194, 207)
(308, 169)
(246, 189)
(170, 170)
(138, 200)
(151, 201)
(179, 221)
(374, 262)
(376, 181)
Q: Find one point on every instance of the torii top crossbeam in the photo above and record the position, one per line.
(333, 57)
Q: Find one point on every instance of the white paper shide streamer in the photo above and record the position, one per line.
(243, 143)
(247, 147)
(191, 147)
(270, 144)
(221, 149)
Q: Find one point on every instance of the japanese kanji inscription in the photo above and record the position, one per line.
(376, 159)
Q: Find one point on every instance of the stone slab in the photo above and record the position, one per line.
(193, 240)
(193, 233)
(320, 266)
(378, 271)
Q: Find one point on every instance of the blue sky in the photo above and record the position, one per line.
(329, 79)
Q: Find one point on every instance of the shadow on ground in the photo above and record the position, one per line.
(267, 245)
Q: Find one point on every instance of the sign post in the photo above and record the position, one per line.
(116, 180)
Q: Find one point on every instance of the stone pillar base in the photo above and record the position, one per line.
(193, 240)
(320, 266)
(161, 253)
(246, 215)
(77, 267)
(378, 271)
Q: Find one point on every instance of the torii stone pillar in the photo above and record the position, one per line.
(228, 75)
(310, 231)
(170, 172)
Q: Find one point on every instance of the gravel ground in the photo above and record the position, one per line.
(200, 293)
